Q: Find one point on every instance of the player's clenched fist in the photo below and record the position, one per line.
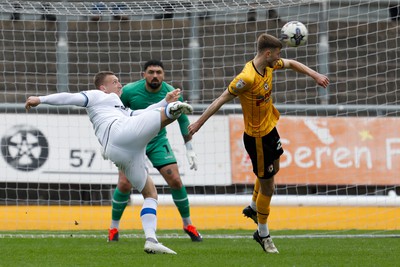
(32, 101)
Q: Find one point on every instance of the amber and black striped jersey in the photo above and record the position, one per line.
(255, 93)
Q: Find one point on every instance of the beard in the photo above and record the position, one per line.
(154, 84)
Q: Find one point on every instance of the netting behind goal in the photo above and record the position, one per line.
(341, 144)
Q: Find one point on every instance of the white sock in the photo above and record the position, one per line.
(186, 221)
(114, 224)
(253, 205)
(169, 115)
(263, 230)
(148, 215)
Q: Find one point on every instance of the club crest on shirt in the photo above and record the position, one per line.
(266, 87)
(240, 84)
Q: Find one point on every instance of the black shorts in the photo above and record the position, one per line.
(263, 151)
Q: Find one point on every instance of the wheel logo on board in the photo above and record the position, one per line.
(25, 148)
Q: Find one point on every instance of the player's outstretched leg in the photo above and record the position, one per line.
(265, 242)
(250, 213)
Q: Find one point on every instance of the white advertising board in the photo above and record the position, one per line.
(42, 148)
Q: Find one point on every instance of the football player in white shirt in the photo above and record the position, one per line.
(123, 135)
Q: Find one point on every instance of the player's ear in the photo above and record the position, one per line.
(267, 52)
(102, 88)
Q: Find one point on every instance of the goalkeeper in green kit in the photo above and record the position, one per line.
(139, 95)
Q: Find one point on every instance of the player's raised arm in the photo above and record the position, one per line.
(214, 107)
(58, 99)
(320, 79)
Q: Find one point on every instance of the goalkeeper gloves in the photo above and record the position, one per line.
(191, 155)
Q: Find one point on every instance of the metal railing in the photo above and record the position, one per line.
(295, 109)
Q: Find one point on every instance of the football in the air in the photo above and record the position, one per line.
(294, 33)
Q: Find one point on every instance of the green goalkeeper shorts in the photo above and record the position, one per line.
(160, 153)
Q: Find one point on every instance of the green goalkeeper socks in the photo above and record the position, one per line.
(119, 202)
(181, 201)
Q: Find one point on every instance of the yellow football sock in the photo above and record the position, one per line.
(256, 190)
(263, 207)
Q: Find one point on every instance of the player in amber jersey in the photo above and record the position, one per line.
(253, 86)
(255, 91)
(139, 95)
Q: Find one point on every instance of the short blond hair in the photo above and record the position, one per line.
(99, 78)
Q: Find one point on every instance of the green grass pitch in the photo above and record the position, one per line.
(219, 248)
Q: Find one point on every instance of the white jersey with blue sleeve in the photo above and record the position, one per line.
(103, 109)
(122, 133)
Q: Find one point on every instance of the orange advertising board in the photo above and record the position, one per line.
(327, 151)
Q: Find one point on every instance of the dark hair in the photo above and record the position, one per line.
(98, 79)
(153, 62)
(266, 41)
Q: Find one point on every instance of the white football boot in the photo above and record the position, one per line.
(265, 242)
(157, 248)
(175, 109)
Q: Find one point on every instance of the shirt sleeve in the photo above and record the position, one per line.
(240, 84)
(184, 122)
(279, 64)
(162, 103)
(76, 99)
